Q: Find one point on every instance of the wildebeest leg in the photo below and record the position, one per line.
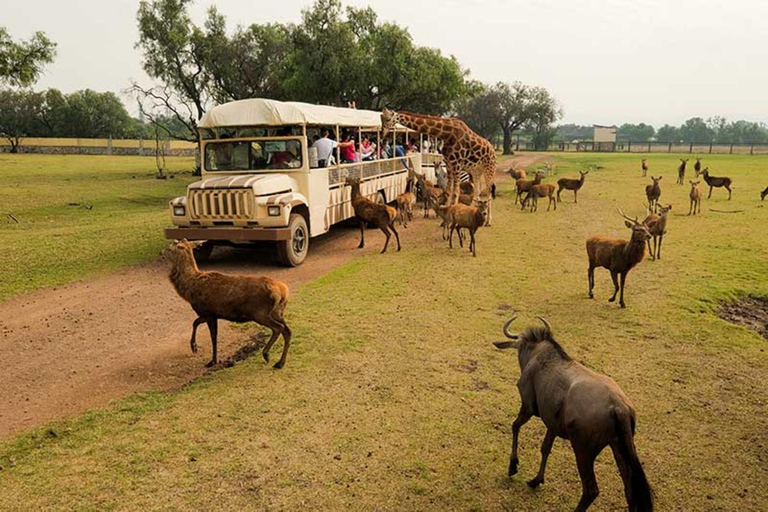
(546, 447)
(591, 279)
(624, 470)
(397, 236)
(615, 277)
(193, 341)
(362, 234)
(585, 461)
(213, 326)
(621, 298)
(522, 418)
(386, 233)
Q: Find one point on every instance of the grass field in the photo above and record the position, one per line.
(58, 239)
(394, 398)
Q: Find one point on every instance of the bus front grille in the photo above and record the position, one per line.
(221, 204)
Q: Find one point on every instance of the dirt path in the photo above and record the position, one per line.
(79, 346)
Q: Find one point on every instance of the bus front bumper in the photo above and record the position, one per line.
(230, 234)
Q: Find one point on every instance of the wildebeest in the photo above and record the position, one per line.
(574, 403)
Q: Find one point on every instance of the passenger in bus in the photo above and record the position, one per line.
(412, 147)
(367, 149)
(325, 146)
(347, 149)
(287, 159)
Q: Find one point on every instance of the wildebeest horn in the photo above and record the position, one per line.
(546, 324)
(505, 329)
(505, 344)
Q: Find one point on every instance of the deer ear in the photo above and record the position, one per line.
(628, 224)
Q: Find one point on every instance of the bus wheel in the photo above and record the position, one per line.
(380, 198)
(292, 252)
(202, 251)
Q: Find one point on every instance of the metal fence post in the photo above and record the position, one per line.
(690, 150)
(669, 150)
(710, 147)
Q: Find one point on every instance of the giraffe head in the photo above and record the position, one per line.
(388, 120)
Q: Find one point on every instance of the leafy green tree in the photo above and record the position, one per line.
(20, 114)
(668, 133)
(479, 109)
(696, 130)
(570, 132)
(636, 132)
(515, 109)
(21, 63)
(543, 111)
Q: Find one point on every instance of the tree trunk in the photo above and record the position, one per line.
(507, 141)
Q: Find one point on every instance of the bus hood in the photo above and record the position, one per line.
(262, 184)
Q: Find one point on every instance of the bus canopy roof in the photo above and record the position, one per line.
(263, 112)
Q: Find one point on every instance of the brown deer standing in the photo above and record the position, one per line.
(645, 168)
(429, 192)
(574, 403)
(541, 190)
(697, 166)
(215, 296)
(681, 172)
(571, 184)
(716, 182)
(657, 227)
(516, 174)
(618, 256)
(653, 193)
(524, 185)
(368, 212)
(405, 203)
(695, 196)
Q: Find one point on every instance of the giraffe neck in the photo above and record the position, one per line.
(435, 126)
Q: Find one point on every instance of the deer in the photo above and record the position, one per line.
(657, 227)
(524, 185)
(681, 171)
(405, 203)
(716, 182)
(653, 193)
(616, 255)
(645, 167)
(516, 174)
(470, 218)
(368, 212)
(697, 165)
(215, 296)
(763, 194)
(430, 193)
(537, 191)
(588, 409)
(571, 184)
(695, 196)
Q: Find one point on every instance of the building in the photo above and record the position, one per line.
(604, 138)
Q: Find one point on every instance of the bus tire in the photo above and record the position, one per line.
(202, 251)
(380, 199)
(293, 251)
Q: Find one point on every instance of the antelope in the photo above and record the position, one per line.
(653, 193)
(716, 182)
(697, 165)
(468, 217)
(588, 409)
(405, 203)
(618, 256)
(368, 212)
(645, 168)
(695, 196)
(681, 171)
(524, 185)
(516, 174)
(429, 193)
(571, 184)
(657, 227)
(537, 191)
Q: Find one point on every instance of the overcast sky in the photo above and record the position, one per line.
(607, 61)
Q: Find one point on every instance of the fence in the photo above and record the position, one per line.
(137, 147)
(626, 146)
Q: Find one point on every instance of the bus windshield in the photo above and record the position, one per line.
(254, 155)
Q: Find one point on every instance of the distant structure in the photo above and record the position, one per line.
(604, 137)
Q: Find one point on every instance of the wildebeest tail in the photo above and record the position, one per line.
(639, 495)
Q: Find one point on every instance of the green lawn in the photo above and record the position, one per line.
(55, 242)
(394, 398)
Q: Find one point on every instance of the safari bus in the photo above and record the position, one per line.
(262, 179)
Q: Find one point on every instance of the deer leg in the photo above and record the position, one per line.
(576, 196)
(710, 192)
(397, 236)
(615, 277)
(591, 279)
(729, 192)
(386, 233)
(552, 201)
(362, 235)
(621, 298)
(690, 209)
(658, 249)
(213, 327)
(286, 344)
(546, 448)
(193, 341)
(450, 236)
(522, 418)
(650, 251)
(585, 462)
(272, 339)
(472, 243)
(624, 470)
(558, 194)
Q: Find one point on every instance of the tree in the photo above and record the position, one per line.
(636, 132)
(543, 111)
(479, 110)
(570, 132)
(514, 109)
(21, 63)
(668, 133)
(696, 130)
(20, 114)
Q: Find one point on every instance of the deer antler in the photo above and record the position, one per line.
(635, 220)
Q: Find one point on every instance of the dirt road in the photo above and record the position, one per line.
(79, 346)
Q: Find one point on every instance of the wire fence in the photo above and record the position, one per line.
(627, 146)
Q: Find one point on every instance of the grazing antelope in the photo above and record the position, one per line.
(653, 193)
(537, 191)
(695, 196)
(429, 193)
(645, 168)
(716, 182)
(516, 174)
(618, 256)
(405, 203)
(697, 166)
(571, 184)
(524, 185)
(763, 194)
(368, 212)
(657, 227)
(588, 409)
(681, 171)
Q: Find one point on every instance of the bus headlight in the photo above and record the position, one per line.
(179, 210)
(273, 211)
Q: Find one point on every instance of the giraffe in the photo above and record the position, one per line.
(463, 150)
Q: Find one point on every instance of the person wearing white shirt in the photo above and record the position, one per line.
(325, 147)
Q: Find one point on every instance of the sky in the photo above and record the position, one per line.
(606, 61)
